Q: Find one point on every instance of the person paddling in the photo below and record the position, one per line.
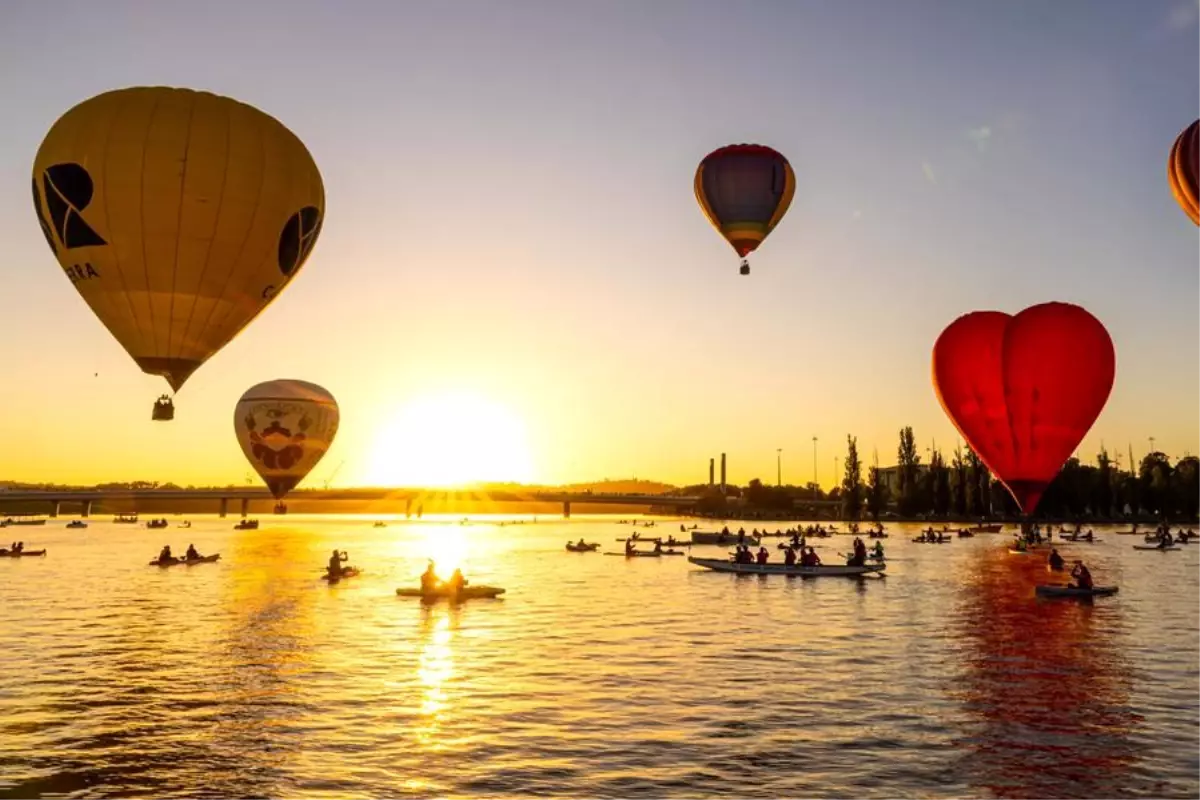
(1055, 561)
(335, 563)
(429, 579)
(191, 555)
(164, 555)
(1083, 578)
(456, 582)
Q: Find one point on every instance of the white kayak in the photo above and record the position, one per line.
(1074, 591)
(722, 565)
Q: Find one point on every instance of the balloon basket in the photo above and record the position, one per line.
(280, 508)
(745, 268)
(164, 410)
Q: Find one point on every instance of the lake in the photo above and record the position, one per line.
(592, 676)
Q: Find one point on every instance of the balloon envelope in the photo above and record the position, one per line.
(744, 190)
(1024, 390)
(177, 215)
(1183, 171)
(284, 428)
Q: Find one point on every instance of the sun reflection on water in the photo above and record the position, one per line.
(435, 669)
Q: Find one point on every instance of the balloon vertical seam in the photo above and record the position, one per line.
(262, 182)
(142, 220)
(187, 149)
(229, 108)
(116, 253)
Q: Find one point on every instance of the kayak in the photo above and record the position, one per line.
(721, 565)
(173, 561)
(639, 539)
(441, 593)
(1016, 552)
(639, 554)
(347, 572)
(22, 554)
(1072, 591)
(585, 548)
(927, 541)
(1081, 541)
(1154, 547)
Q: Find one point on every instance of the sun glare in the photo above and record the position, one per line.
(451, 439)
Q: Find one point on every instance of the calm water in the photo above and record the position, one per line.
(593, 676)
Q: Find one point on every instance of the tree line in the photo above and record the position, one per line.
(961, 486)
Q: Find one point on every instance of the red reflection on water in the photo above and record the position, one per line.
(1047, 683)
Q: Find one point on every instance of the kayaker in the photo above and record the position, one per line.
(335, 563)
(789, 557)
(810, 559)
(456, 582)
(1055, 561)
(191, 553)
(581, 543)
(630, 547)
(429, 579)
(1083, 578)
(878, 549)
(165, 553)
(658, 546)
(763, 555)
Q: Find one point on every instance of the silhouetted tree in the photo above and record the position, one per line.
(958, 484)
(877, 494)
(908, 461)
(852, 488)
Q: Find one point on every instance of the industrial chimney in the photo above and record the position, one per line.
(722, 473)
(711, 462)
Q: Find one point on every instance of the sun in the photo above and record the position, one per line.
(451, 439)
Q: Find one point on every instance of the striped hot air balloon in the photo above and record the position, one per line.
(744, 190)
(1183, 171)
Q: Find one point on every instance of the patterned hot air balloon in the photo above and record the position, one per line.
(744, 190)
(1183, 171)
(1024, 390)
(178, 216)
(284, 428)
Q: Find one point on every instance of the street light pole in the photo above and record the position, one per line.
(1151, 444)
(815, 481)
(779, 466)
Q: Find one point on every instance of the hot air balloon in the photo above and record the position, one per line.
(1024, 390)
(178, 216)
(744, 190)
(1183, 171)
(284, 428)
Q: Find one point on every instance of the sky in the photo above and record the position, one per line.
(512, 251)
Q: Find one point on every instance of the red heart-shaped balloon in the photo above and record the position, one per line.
(1024, 390)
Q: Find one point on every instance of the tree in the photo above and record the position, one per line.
(877, 494)
(959, 484)
(979, 485)
(1154, 475)
(852, 488)
(1186, 487)
(908, 461)
(1102, 492)
(939, 484)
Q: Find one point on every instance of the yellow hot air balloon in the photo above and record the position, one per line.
(178, 216)
(284, 428)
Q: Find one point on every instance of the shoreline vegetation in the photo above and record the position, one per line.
(958, 489)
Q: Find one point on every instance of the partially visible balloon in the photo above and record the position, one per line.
(1183, 171)
(178, 216)
(284, 428)
(1024, 390)
(744, 190)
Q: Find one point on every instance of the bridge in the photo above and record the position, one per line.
(85, 498)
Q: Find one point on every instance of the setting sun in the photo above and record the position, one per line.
(451, 439)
